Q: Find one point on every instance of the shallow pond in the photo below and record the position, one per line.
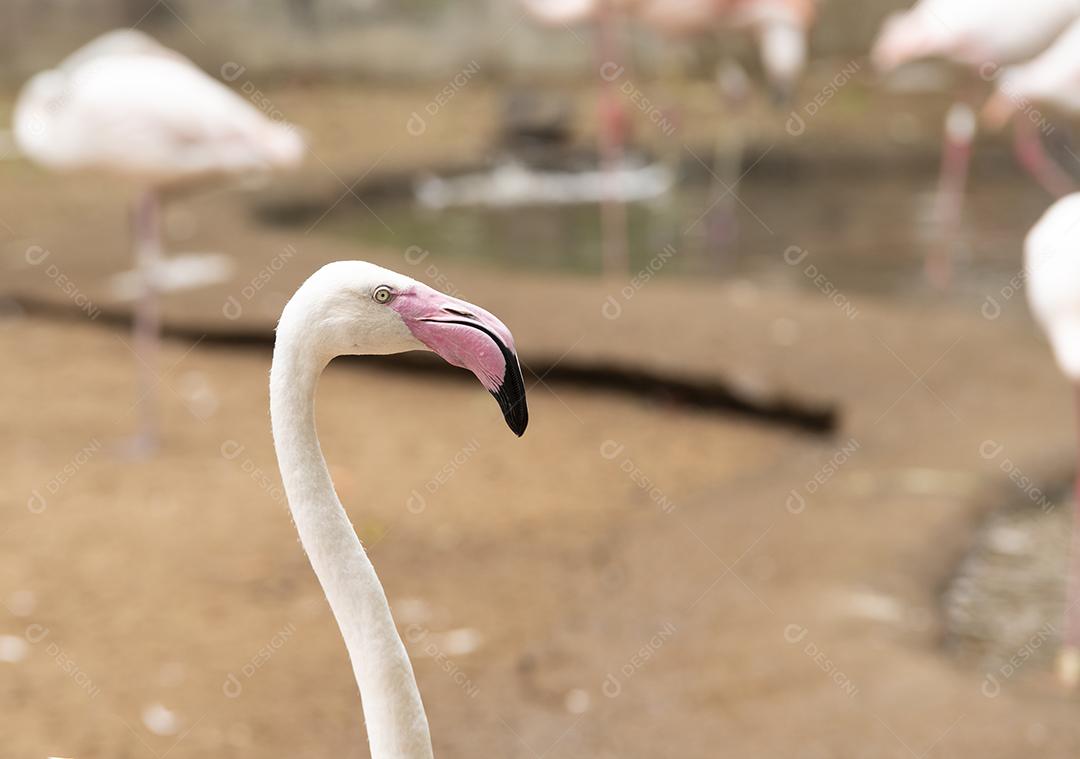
(854, 234)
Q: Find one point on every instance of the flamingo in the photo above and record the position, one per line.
(995, 32)
(781, 28)
(979, 36)
(354, 308)
(563, 12)
(780, 25)
(1052, 272)
(126, 105)
(1051, 78)
(614, 123)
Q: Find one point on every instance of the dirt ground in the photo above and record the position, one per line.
(630, 579)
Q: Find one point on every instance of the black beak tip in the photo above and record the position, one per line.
(518, 424)
(511, 398)
(514, 409)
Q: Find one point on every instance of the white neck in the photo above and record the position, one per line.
(396, 724)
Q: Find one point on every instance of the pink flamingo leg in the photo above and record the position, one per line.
(147, 335)
(1068, 663)
(611, 135)
(1033, 157)
(728, 147)
(952, 182)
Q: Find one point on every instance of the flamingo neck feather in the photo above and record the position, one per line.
(396, 724)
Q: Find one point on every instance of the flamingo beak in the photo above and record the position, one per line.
(467, 336)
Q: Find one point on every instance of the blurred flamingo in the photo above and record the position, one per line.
(565, 12)
(981, 36)
(781, 28)
(1052, 273)
(356, 308)
(993, 32)
(126, 105)
(1052, 79)
(613, 121)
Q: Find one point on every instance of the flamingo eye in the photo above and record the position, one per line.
(382, 294)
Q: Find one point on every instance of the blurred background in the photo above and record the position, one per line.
(797, 478)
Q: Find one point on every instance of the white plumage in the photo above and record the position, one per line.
(982, 36)
(125, 105)
(1052, 77)
(997, 32)
(1052, 271)
(563, 12)
(337, 312)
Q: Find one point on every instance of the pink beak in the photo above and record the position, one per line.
(468, 336)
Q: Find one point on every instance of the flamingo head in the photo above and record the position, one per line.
(357, 308)
(783, 55)
(782, 30)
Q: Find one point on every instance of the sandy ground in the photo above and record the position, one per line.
(784, 603)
